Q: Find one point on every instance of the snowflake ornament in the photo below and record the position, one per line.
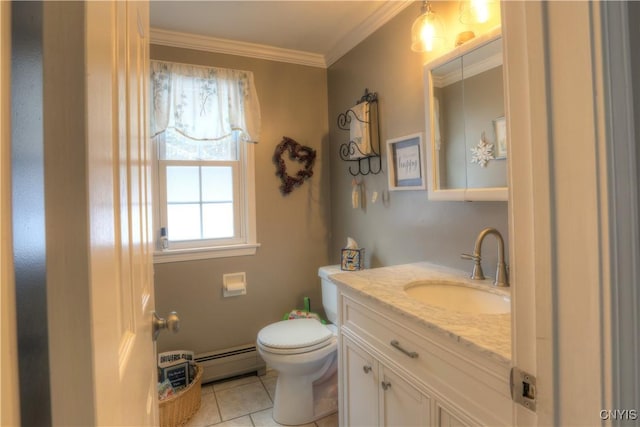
(482, 153)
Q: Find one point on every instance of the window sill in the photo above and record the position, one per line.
(178, 255)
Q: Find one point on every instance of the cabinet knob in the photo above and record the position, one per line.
(386, 385)
(366, 369)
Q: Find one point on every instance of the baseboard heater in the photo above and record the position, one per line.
(230, 362)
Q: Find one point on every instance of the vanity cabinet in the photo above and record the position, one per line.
(396, 373)
(376, 395)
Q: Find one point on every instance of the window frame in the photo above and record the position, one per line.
(244, 244)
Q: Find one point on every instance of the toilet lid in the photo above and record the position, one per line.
(297, 333)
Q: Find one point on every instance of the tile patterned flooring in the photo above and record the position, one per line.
(245, 401)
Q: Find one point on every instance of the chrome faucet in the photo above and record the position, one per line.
(501, 272)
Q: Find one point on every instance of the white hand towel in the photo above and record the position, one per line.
(359, 130)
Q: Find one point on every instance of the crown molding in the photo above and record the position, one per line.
(233, 47)
(255, 50)
(364, 30)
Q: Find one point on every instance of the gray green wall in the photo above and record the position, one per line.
(410, 228)
(293, 230)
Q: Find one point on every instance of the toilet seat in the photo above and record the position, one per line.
(294, 336)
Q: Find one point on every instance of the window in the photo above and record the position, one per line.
(203, 121)
(200, 190)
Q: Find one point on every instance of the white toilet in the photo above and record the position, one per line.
(305, 354)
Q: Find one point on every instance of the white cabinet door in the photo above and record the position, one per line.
(448, 418)
(360, 388)
(374, 395)
(401, 403)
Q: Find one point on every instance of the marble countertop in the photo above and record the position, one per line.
(489, 334)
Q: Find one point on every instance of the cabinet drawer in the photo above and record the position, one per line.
(407, 350)
(436, 363)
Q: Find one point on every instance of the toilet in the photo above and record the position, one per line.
(305, 354)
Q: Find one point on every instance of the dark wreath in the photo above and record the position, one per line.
(299, 153)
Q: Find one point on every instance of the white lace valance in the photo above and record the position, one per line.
(204, 103)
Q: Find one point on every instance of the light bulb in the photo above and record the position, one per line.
(475, 11)
(481, 10)
(426, 35)
(427, 32)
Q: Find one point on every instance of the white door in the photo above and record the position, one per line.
(120, 213)
(572, 206)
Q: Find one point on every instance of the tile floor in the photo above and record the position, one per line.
(245, 401)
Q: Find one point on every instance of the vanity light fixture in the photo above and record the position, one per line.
(427, 31)
(474, 11)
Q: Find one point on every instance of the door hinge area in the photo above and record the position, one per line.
(523, 388)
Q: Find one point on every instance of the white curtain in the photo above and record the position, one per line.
(204, 103)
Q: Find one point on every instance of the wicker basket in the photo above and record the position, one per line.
(179, 408)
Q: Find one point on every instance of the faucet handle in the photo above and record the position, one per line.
(475, 258)
(477, 273)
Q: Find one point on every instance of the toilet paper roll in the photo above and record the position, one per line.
(235, 287)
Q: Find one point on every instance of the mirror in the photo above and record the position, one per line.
(466, 127)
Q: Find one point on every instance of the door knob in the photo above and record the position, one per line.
(172, 322)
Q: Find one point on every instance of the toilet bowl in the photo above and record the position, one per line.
(305, 353)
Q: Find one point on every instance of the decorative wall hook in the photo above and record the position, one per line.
(363, 147)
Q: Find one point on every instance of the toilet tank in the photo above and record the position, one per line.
(329, 291)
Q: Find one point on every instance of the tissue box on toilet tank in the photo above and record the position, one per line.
(352, 259)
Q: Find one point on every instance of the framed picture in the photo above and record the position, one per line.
(500, 128)
(405, 164)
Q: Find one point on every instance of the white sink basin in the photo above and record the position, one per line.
(457, 297)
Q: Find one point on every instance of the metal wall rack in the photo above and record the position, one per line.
(362, 164)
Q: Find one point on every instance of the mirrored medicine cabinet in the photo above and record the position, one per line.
(466, 127)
